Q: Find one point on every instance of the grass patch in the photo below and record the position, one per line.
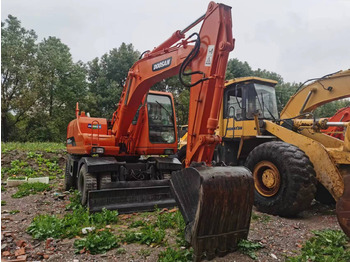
(3, 203)
(248, 248)
(261, 218)
(12, 212)
(39, 146)
(327, 245)
(96, 242)
(179, 255)
(144, 252)
(154, 233)
(121, 251)
(71, 225)
(27, 189)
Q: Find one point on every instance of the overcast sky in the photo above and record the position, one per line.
(297, 39)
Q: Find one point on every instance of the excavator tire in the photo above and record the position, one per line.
(86, 183)
(284, 178)
(104, 180)
(68, 179)
(216, 203)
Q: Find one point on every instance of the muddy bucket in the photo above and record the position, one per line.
(216, 203)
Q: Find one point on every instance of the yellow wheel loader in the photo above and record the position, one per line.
(292, 162)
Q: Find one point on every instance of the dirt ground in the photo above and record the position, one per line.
(280, 237)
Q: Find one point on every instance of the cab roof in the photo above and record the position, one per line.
(253, 79)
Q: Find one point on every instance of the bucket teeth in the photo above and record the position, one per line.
(216, 203)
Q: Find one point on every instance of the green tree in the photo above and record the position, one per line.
(106, 77)
(62, 84)
(19, 75)
(236, 68)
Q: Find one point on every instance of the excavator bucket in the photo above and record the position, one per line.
(216, 203)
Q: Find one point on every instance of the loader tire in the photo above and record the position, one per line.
(86, 182)
(68, 179)
(284, 178)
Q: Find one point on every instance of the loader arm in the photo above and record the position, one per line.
(322, 91)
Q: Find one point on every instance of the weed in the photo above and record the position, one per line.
(72, 223)
(144, 252)
(12, 212)
(137, 223)
(96, 243)
(74, 201)
(14, 177)
(3, 203)
(255, 216)
(326, 245)
(45, 226)
(247, 247)
(31, 147)
(3, 189)
(147, 235)
(261, 218)
(121, 250)
(171, 254)
(27, 189)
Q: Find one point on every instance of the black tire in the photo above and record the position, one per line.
(293, 183)
(86, 182)
(68, 179)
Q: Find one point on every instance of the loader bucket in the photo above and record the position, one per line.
(343, 206)
(216, 203)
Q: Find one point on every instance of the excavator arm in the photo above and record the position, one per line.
(322, 91)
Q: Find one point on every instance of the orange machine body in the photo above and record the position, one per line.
(85, 133)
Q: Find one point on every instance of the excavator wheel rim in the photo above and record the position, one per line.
(267, 178)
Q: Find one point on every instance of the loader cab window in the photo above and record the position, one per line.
(261, 100)
(160, 119)
(233, 103)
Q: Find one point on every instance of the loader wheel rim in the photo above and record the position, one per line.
(267, 178)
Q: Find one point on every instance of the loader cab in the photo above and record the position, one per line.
(249, 96)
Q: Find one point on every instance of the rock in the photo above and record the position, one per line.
(6, 253)
(46, 256)
(48, 242)
(20, 243)
(22, 258)
(20, 252)
(273, 256)
(86, 230)
(3, 247)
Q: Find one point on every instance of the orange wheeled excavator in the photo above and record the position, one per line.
(113, 163)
